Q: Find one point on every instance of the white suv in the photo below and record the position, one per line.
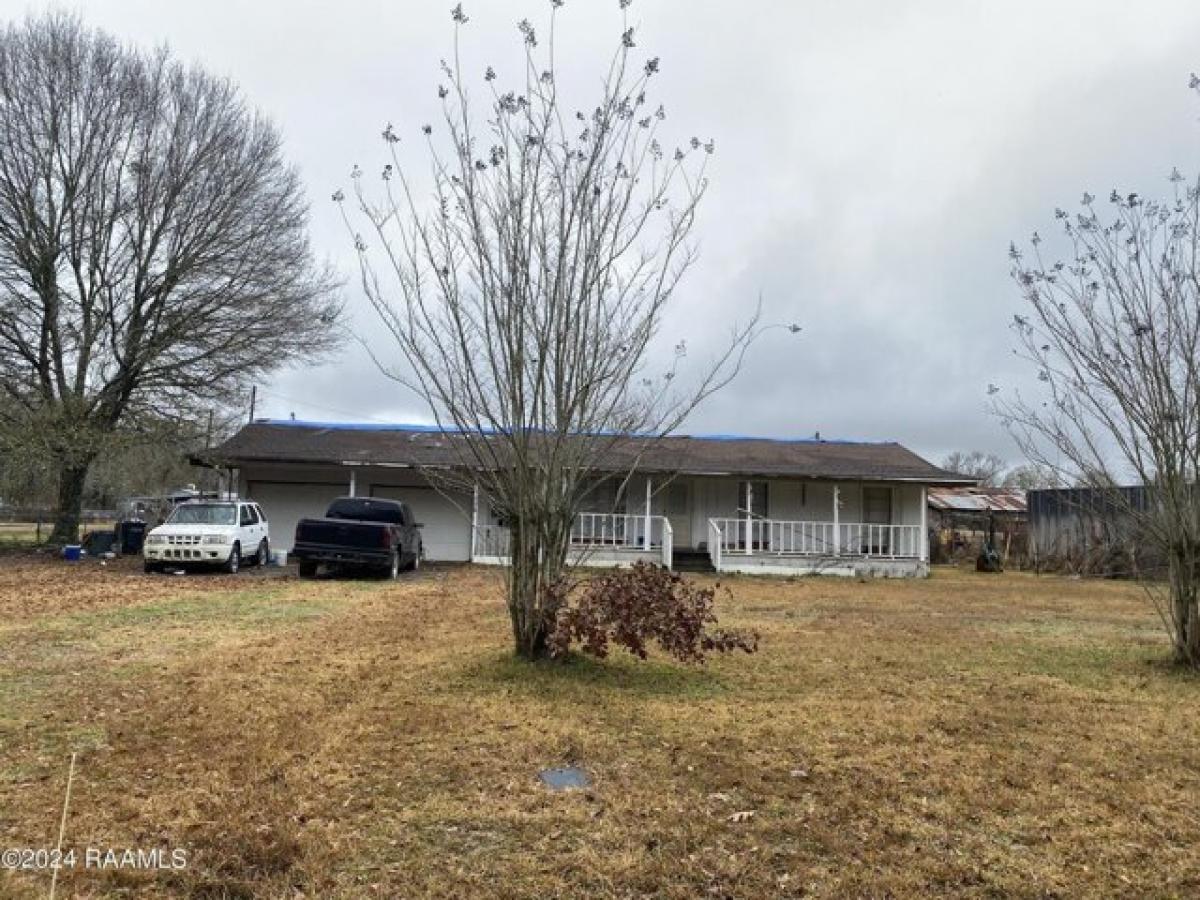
(209, 532)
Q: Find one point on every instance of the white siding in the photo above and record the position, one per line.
(445, 515)
(290, 493)
(286, 503)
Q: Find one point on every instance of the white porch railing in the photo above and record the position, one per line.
(622, 531)
(595, 533)
(784, 538)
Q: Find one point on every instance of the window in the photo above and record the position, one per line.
(754, 499)
(604, 497)
(877, 505)
(247, 516)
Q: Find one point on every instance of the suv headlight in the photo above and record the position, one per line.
(156, 539)
(215, 539)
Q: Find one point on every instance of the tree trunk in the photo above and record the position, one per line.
(71, 478)
(1185, 606)
(534, 574)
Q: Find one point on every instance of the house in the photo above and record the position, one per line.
(735, 504)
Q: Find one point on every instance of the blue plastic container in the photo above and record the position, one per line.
(71, 552)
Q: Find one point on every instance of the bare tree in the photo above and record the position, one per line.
(987, 468)
(1114, 334)
(1031, 477)
(153, 244)
(526, 296)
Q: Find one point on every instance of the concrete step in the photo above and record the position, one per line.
(691, 561)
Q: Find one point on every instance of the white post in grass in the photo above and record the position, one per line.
(353, 482)
(646, 536)
(837, 529)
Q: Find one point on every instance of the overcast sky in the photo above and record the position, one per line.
(874, 159)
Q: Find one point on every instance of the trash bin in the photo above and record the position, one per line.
(72, 552)
(131, 536)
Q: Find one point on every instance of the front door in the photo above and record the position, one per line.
(877, 510)
(679, 512)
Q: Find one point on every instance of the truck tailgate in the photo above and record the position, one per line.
(342, 533)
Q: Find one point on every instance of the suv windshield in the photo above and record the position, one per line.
(204, 514)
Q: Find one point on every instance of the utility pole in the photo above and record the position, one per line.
(253, 398)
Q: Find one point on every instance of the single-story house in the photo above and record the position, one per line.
(732, 504)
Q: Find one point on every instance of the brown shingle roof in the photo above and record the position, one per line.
(406, 445)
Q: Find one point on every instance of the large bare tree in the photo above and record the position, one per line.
(526, 290)
(1113, 330)
(153, 245)
(987, 468)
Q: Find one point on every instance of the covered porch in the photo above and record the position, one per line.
(729, 524)
(601, 539)
(855, 528)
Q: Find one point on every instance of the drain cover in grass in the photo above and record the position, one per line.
(562, 779)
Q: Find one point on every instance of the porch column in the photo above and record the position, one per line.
(353, 482)
(474, 518)
(749, 514)
(837, 529)
(923, 537)
(646, 536)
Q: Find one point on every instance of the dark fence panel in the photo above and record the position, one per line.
(1091, 531)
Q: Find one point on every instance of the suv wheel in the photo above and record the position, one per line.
(263, 557)
(308, 568)
(235, 560)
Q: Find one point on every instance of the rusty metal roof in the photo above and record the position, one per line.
(417, 446)
(978, 500)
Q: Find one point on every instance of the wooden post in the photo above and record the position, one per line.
(207, 447)
(646, 536)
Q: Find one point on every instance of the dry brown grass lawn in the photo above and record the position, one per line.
(967, 735)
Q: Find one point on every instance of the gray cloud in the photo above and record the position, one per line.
(874, 160)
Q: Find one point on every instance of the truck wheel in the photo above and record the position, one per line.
(308, 568)
(416, 563)
(263, 556)
(393, 571)
(235, 560)
(150, 567)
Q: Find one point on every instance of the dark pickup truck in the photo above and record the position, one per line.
(359, 534)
